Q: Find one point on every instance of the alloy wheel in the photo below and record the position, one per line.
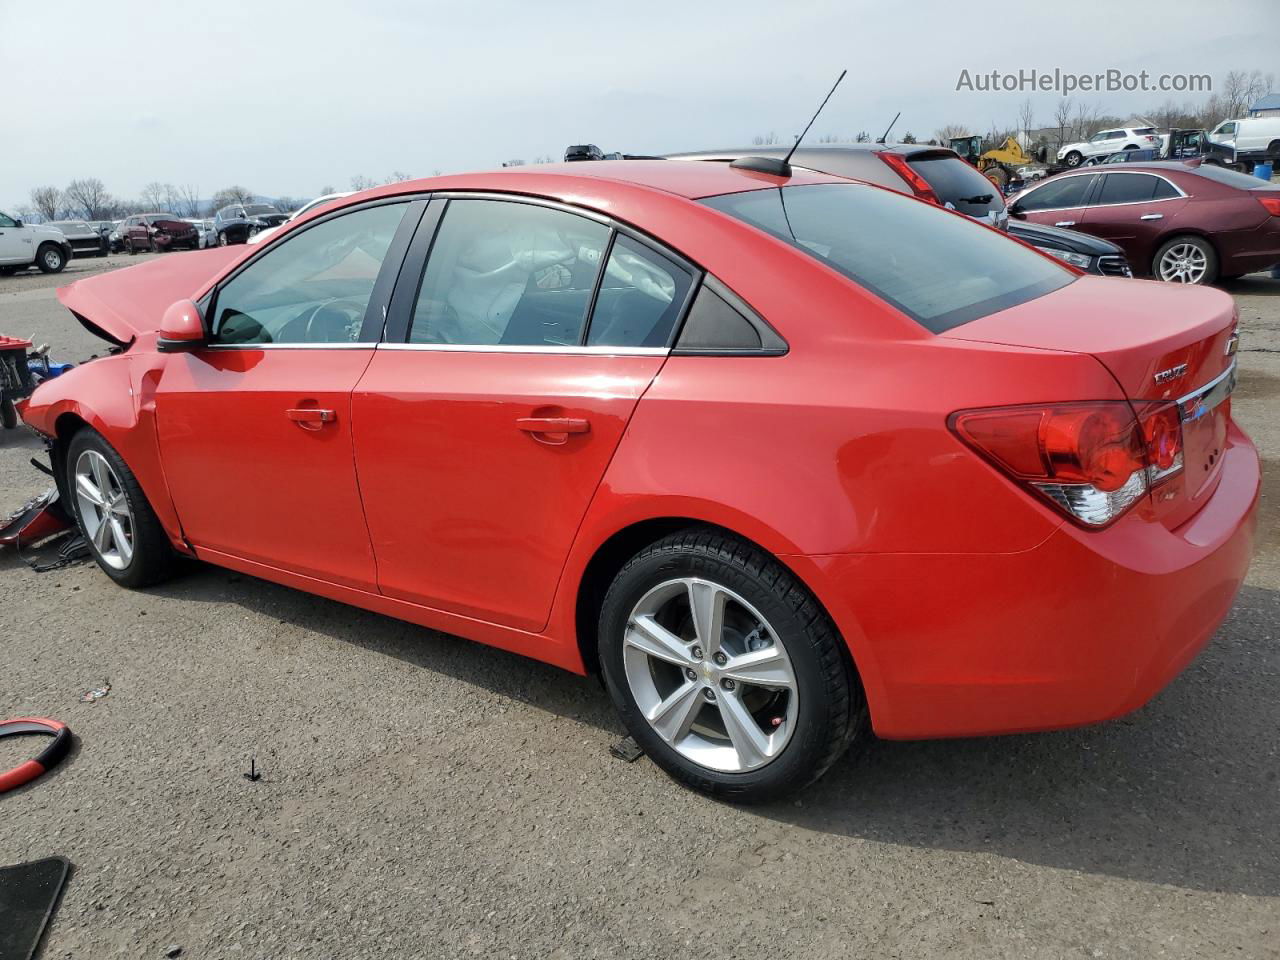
(104, 509)
(710, 675)
(52, 259)
(1183, 263)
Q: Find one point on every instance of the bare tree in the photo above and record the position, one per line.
(1240, 90)
(326, 190)
(862, 137)
(950, 131)
(289, 204)
(513, 163)
(1026, 118)
(765, 139)
(1062, 118)
(87, 197)
(46, 201)
(361, 182)
(229, 195)
(186, 200)
(153, 195)
(398, 176)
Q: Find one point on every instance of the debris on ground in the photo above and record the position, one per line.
(96, 693)
(626, 749)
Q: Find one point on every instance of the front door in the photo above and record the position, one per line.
(481, 440)
(1058, 202)
(255, 429)
(15, 244)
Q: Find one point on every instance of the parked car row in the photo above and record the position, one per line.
(787, 458)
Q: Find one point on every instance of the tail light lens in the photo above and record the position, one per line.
(1092, 461)
(918, 184)
(1271, 204)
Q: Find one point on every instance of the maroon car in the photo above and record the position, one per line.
(1175, 222)
(158, 232)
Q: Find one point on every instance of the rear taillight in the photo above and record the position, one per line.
(918, 184)
(1272, 205)
(1093, 461)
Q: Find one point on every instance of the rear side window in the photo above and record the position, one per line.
(959, 185)
(1127, 188)
(640, 298)
(1057, 194)
(511, 274)
(940, 269)
(1229, 178)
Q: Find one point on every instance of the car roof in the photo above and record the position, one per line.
(814, 153)
(589, 181)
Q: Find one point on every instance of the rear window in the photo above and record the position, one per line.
(1231, 178)
(960, 185)
(939, 269)
(1144, 131)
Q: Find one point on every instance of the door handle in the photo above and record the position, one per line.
(1152, 216)
(553, 431)
(1065, 223)
(310, 418)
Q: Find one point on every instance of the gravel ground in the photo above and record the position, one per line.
(425, 796)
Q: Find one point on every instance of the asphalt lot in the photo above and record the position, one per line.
(425, 796)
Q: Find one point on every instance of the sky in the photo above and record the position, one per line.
(287, 97)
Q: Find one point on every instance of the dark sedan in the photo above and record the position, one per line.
(939, 175)
(240, 221)
(1175, 222)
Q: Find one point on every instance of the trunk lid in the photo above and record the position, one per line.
(1161, 342)
(119, 305)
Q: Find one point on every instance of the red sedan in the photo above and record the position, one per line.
(788, 459)
(1176, 222)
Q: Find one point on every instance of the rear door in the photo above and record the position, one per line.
(482, 434)
(1135, 211)
(255, 429)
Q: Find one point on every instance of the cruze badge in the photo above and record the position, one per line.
(1173, 373)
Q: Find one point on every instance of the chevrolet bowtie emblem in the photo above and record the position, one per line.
(1233, 344)
(1173, 373)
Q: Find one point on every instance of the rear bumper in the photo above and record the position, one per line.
(1086, 626)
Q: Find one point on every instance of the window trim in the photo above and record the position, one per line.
(1097, 188)
(405, 297)
(372, 327)
(1089, 191)
(772, 343)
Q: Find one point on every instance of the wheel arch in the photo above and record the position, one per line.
(612, 553)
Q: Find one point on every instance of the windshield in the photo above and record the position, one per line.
(940, 269)
(254, 209)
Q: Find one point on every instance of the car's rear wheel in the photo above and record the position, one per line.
(222, 239)
(8, 413)
(130, 248)
(725, 669)
(113, 513)
(50, 258)
(1073, 158)
(1186, 259)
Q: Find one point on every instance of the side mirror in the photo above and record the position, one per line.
(18, 222)
(181, 328)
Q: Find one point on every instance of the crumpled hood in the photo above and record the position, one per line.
(119, 305)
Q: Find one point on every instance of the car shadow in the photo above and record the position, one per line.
(1252, 285)
(1183, 792)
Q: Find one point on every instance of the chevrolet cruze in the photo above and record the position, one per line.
(788, 459)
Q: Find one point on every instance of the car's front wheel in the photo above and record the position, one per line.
(725, 669)
(113, 513)
(50, 258)
(1073, 158)
(222, 239)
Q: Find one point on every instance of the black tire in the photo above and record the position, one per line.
(1273, 150)
(51, 258)
(130, 248)
(155, 247)
(8, 271)
(153, 559)
(1206, 248)
(1070, 162)
(8, 413)
(222, 238)
(831, 708)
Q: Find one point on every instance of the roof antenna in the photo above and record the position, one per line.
(782, 168)
(885, 136)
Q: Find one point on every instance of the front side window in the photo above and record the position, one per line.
(313, 287)
(511, 274)
(1057, 194)
(7, 221)
(939, 268)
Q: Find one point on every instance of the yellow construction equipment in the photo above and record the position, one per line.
(997, 165)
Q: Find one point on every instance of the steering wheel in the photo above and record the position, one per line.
(334, 321)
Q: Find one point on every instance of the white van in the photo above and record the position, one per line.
(1254, 138)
